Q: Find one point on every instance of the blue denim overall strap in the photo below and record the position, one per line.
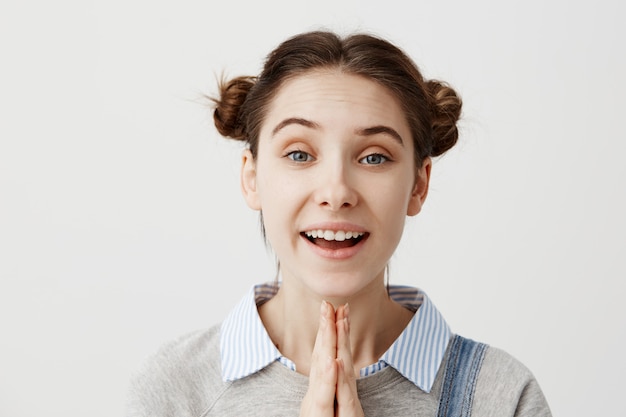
(464, 362)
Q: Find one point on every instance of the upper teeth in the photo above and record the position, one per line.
(339, 235)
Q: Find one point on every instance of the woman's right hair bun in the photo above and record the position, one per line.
(446, 111)
(227, 113)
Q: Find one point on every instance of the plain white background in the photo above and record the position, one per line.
(122, 225)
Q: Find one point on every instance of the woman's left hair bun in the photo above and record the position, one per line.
(227, 113)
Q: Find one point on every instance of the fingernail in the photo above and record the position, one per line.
(346, 309)
(346, 322)
(323, 308)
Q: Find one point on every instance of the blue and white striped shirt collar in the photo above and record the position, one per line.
(246, 348)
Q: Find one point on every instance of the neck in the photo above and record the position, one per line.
(292, 318)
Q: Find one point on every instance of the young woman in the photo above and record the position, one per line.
(340, 135)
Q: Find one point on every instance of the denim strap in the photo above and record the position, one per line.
(464, 362)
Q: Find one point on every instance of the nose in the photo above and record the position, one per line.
(335, 187)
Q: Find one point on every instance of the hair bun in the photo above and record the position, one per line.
(232, 95)
(446, 111)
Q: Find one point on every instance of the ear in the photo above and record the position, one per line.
(420, 189)
(248, 181)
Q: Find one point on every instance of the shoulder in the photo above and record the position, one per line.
(182, 378)
(506, 387)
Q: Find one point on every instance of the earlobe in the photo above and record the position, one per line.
(248, 180)
(420, 189)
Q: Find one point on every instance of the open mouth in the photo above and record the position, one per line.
(334, 239)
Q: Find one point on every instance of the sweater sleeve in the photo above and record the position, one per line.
(505, 387)
(182, 379)
(532, 402)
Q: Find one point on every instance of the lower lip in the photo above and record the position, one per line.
(336, 254)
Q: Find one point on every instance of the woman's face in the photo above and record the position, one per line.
(334, 178)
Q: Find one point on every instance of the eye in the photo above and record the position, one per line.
(299, 156)
(374, 159)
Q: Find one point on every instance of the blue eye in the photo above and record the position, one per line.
(374, 159)
(299, 156)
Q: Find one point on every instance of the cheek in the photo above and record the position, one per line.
(280, 197)
(391, 204)
(390, 194)
(278, 190)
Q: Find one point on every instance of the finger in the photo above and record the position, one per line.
(344, 350)
(326, 340)
(348, 403)
(319, 400)
(320, 397)
(342, 312)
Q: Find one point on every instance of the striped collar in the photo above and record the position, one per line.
(417, 353)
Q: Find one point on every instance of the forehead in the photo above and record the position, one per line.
(333, 98)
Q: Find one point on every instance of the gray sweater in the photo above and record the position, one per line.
(184, 379)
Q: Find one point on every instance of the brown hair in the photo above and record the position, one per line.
(431, 107)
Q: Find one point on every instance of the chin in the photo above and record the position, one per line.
(341, 288)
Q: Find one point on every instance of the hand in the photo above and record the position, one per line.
(332, 383)
(348, 404)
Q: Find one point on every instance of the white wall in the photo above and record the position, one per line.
(121, 223)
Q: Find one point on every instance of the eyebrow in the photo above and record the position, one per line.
(368, 131)
(295, 121)
(375, 130)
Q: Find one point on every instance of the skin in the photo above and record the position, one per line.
(335, 152)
